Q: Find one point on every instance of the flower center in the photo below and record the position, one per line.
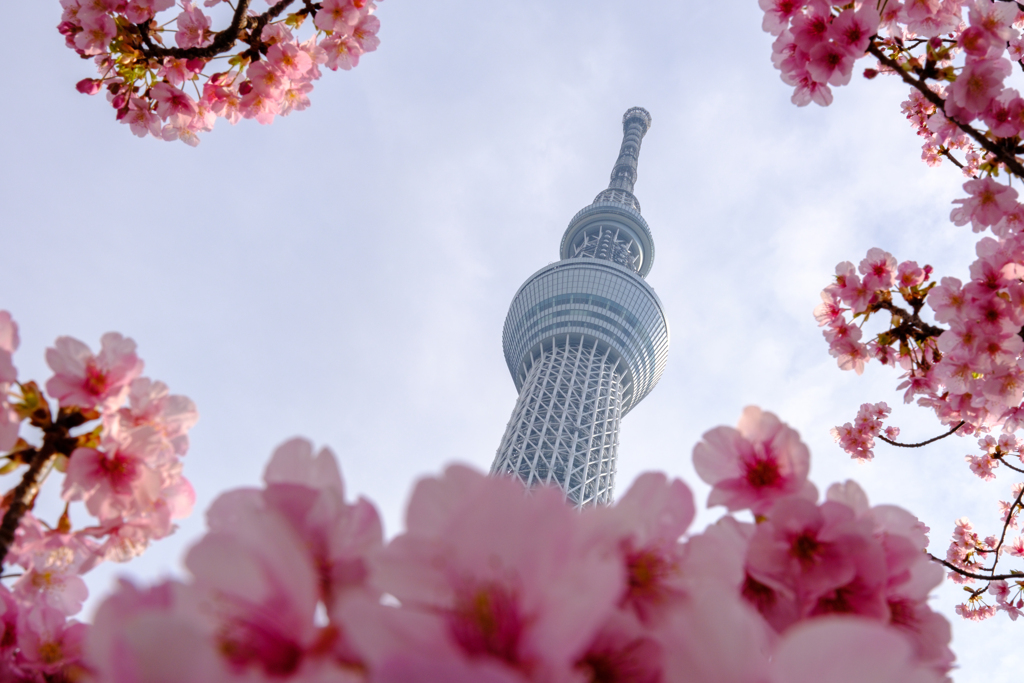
(486, 621)
(762, 473)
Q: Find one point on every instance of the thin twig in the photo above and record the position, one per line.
(923, 443)
(1002, 537)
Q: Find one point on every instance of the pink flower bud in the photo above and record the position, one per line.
(88, 86)
(870, 73)
(119, 101)
(195, 65)
(245, 88)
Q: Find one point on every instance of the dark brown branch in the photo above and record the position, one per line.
(972, 575)
(24, 496)
(222, 41)
(254, 40)
(923, 443)
(1010, 161)
(57, 440)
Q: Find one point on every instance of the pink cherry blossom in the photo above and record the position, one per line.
(171, 101)
(643, 529)
(140, 11)
(834, 649)
(979, 83)
(989, 203)
(878, 269)
(120, 479)
(193, 27)
(909, 274)
(754, 465)
(364, 33)
(337, 15)
(97, 32)
(92, 381)
(830, 63)
(503, 578)
(151, 403)
(342, 52)
(778, 13)
(852, 29)
(266, 79)
(142, 121)
(289, 60)
(48, 644)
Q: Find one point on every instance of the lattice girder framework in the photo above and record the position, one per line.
(564, 428)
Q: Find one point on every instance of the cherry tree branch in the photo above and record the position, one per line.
(57, 440)
(1003, 155)
(972, 575)
(23, 496)
(248, 29)
(923, 443)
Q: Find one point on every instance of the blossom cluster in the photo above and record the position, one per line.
(858, 439)
(971, 371)
(816, 47)
(959, 53)
(867, 289)
(175, 93)
(119, 438)
(490, 585)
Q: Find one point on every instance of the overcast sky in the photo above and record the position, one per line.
(344, 274)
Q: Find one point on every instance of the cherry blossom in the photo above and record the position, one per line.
(82, 379)
(754, 465)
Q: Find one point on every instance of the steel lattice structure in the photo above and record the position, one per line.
(585, 340)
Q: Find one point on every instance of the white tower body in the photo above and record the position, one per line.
(585, 339)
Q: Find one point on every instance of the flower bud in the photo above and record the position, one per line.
(88, 86)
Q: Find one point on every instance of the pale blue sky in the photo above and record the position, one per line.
(344, 273)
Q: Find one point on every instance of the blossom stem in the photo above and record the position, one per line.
(923, 443)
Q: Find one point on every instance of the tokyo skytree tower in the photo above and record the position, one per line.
(585, 340)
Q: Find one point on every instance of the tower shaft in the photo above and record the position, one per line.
(565, 426)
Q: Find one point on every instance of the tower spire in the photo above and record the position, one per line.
(635, 123)
(611, 227)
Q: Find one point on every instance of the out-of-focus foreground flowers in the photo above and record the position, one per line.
(489, 583)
